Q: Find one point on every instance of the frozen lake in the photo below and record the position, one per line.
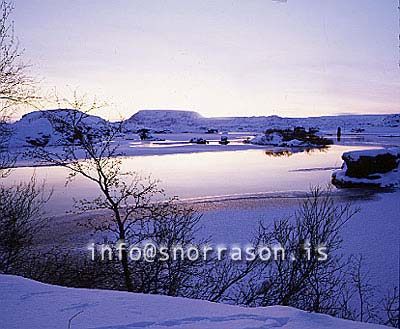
(206, 174)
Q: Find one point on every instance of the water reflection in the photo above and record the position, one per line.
(289, 152)
(283, 153)
(206, 174)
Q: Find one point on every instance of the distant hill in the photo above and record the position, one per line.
(35, 126)
(170, 119)
(180, 121)
(167, 114)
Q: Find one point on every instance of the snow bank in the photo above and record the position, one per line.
(26, 304)
(355, 155)
(273, 139)
(369, 168)
(276, 140)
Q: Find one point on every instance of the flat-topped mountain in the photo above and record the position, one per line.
(164, 119)
(167, 114)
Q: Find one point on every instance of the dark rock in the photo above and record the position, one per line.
(365, 166)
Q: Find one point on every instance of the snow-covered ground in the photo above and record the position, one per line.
(26, 304)
(373, 233)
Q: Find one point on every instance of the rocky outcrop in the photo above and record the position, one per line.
(297, 137)
(369, 168)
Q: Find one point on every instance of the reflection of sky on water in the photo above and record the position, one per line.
(193, 175)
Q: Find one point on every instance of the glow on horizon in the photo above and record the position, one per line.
(237, 58)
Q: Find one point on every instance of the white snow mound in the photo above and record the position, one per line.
(26, 304)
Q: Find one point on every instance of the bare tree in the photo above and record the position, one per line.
(91, 150)
(391, 308)
(16, 86)
(364, 291)
(305, 278)
(360, 299)
(22, 217)
(171, 224)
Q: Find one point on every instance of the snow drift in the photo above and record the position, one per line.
(26, 304)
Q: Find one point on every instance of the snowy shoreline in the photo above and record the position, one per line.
(176, 144)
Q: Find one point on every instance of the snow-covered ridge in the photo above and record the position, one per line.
(26, 304)
(180, 121)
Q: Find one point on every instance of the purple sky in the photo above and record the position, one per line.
(220, 58)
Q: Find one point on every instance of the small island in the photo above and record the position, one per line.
(369, 168)
(296, 137)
